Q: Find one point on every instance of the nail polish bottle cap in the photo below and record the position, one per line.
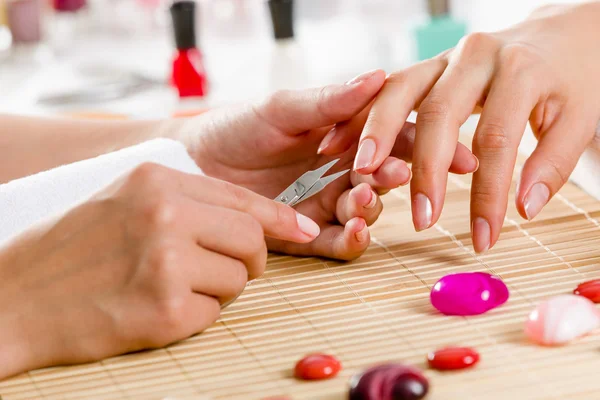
(282, 15)
(438, 8)
(183, 14)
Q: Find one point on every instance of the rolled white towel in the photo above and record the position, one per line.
(27, 201)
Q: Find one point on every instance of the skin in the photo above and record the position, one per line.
(540, 71)
(149, 260)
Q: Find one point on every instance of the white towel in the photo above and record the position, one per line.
(27, 201)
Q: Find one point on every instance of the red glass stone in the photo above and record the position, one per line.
(590, 290)
(317, 366)
(453, 358)
(389, 382)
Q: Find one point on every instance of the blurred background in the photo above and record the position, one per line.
(115, 58)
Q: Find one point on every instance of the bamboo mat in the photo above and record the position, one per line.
(373, 310)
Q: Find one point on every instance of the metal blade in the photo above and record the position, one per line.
(320, 185)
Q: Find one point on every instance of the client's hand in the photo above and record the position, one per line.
(144, 263)
(265, 147)
(543, 70)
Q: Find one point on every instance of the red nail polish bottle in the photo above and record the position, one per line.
(188, 74)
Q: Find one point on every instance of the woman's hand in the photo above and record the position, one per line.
(266, 146)
(544, 70)
(144, 263)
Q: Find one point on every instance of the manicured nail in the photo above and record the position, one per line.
(476, 163)
(361, 78)
(362, 235)
(373, 200)
(421, 212)
(365, 154)
(481, 235)
(327, 140)
(308, 226)
(536, 199)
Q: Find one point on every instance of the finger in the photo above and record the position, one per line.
(344, 134)
(360, 201)
(277, 220)
(391, 109)
(392, 174)
(441, 114)
(336, 242)
(200, 312)
(342, 137)
(552, 162)
(512, 96)
(225, 231)
(215, 275)
(299, 111)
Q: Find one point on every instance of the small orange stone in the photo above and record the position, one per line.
(590, 290)
(317, 366)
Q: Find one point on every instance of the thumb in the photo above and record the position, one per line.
(296, 111)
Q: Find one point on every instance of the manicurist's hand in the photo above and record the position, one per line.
(544, 70)
(146, 262)
(268, 145)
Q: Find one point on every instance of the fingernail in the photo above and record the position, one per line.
(362, 235)
(365, 154)
(536, 199)
(308, 226)
(476, 163)
(421, 212)
(361, 78)
(373, 200)
(481, 235)
(327, 140)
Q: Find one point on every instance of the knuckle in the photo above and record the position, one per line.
(559, 169)
(433, 109)
(517, 59)
(399, 78)
(484, 195)
(275, 100)
(171, 316)
(237, 194)
(492, 136)
(426, 168)
(284, 216)
(239, 278)
(147, 174)
(160, 211)
(163, 261)
(476, 42)
(255, 239)
(322, 102)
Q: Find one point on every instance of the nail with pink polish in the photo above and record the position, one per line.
(308, 226)
(536, 199)
(327, 140)
(422, 212)
(361, 78)
(481, 235)
(373, 200)
(365, 154)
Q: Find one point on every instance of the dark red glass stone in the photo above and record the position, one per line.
(389, 382)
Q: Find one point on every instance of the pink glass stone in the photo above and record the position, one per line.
(562, 319)
(468, 293)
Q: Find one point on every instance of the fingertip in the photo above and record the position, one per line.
(359, 230)
(310, 230)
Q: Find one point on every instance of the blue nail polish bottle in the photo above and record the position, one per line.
(440, 33)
